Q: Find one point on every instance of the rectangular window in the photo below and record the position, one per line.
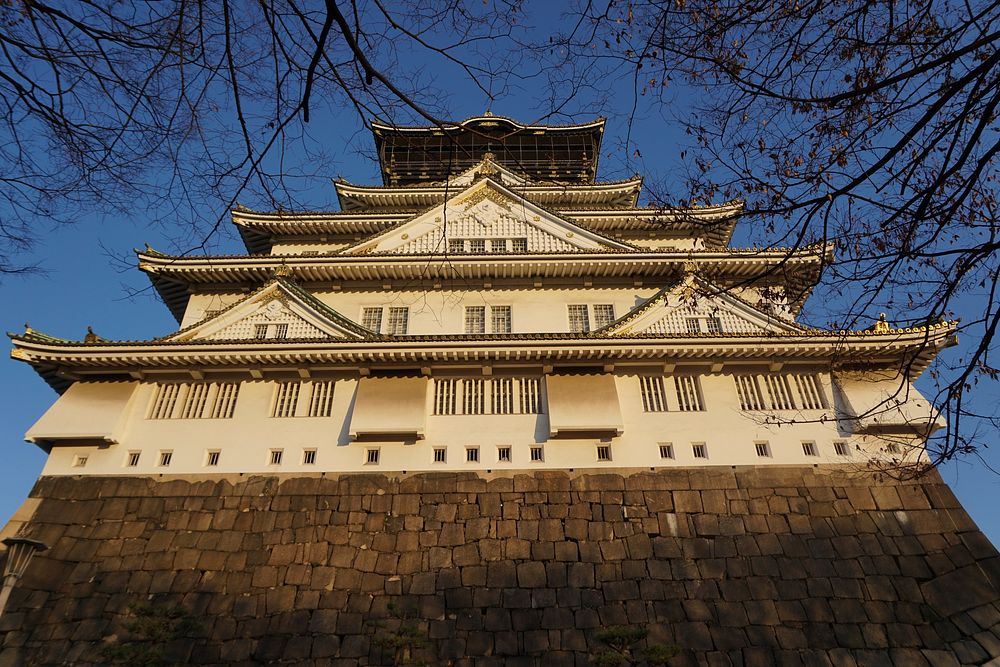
(693, 325)
(841, 448)
(475, 319)
(472, 454)
(165, 458)
(654, 397)
(275, 457)
(579, 320)
(603, 452)
(132, 460)
(456, 246)
(477, 246)
(321, 400)
(748, 389)
(398, 320)
(498, 245)
(286, 399)
(529, 396)
(225, 400)
(212, 457)
(503, 396)
(440, 455)
(604, 314)
(371, 457)
(308, 457)
(809, 392)
(371, 319)
(501, 319)
(780, 392)
(260, 331)
(699, 450)
(164, 401)
(714, 325)
(79, 461)
(809, 449)
(519, 245)
(474, 403)
(763, 449)
(666, 450)
(688, 393)
(503, 454)
(445, 391)
(194, 402)
(537, 454)
(280, 331)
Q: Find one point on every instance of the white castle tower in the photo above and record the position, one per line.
(491, 306)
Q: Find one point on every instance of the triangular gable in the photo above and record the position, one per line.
(278, 310)
(487, 210)
(694, 307)
(488, 167)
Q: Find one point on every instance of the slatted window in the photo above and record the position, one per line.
(212, 457)
(372, 457)
(308, 457)
(164, 401)
(699, 450)
(501, 319)
(286, 399)
(688, 393)
(780, 392)
(280, 331)
(321, 399)
(260, 331)
(604, 314)
(666, 450)
(498, 245)
(79, 461)
(474, 402)
(841, 448)
(654, 396)
(603, 452)
(478, 396)
(503, 454)
(371, 319)
(440, 455)
(472, 454)
(475, 319)
(398, 320)
(194, 402)
(456, 245)
(132, 460)
(519, 245)
(808, 392)
(225, 400)
(579, 319)
(165, 458)
(693, 325)
(748, 389)
(763, 449)
(276, 456)
(477, 246)
(714, 325)
(537, 454)
(809, 449)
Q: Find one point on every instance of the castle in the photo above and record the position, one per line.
(497, 389)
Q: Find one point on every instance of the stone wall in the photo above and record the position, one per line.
(748, 566)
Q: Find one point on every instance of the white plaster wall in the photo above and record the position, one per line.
(246, 439)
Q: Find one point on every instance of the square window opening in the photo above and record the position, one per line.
(537, 454)
(276, 455)
(372, 457)
(603, 452)
(165, 458)
(699, 450)
(79, 461)
(841, 448)
(503, 454)
(763, 449)
(212, 458)
(440, 455)
(666, 450)
(308, 457)
(132, 460)
(472, 454)
(809, 449)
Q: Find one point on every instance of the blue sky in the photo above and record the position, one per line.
(81, 285)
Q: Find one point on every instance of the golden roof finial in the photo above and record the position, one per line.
(91, 337)
(27, 328)
(487, 114)
(881, 326)
(283, 271)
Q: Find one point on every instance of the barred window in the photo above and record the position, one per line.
(132, 460)
(688, 393)
(260, 331)
(79, 461)
(280, 331)
(501, 316)
(212, 457)
(537, 454)
(321, 400)
(475, 319)
(841, 448)
(519, 245)
(654, 397)
(579, 319)
(164, 401)
(477, 246)
(456, 245)
(372, 456)
(398, 320)
(472, 454)
(371, 319)
(308, 457)
(809, 449)
(194, 402)
(780, 392)
(498, 245)
(165, 457)
(603, 452)
(699, 450)
(693, 325)
(763, 449)
(440, 454)
(479, 396)
(604, 314)
(286, 399)
(666, 450)
(503, 454)
(275, 456)
(225, 400)
(748, 389)
(808, 391)
(714, 325)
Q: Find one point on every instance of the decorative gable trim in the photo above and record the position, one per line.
(693, 298)
(279, 309)
(486, 210)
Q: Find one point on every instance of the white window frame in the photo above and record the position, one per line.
(372, 315)
(309, 456)
(475, 319)
(393, 327)
(841, 448)
(537, 454)
(502, 319)
(132, 458)
(373, 456)
(165, 457)
(275, 456)
(472, 454)
(80, 460)
(809, 448)
(699, 450)
(440, 455)
(505, 454)
(578, 317)
(763, 448)
(607, 316)
(212, 457)
(603, 452)
(666, 450)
